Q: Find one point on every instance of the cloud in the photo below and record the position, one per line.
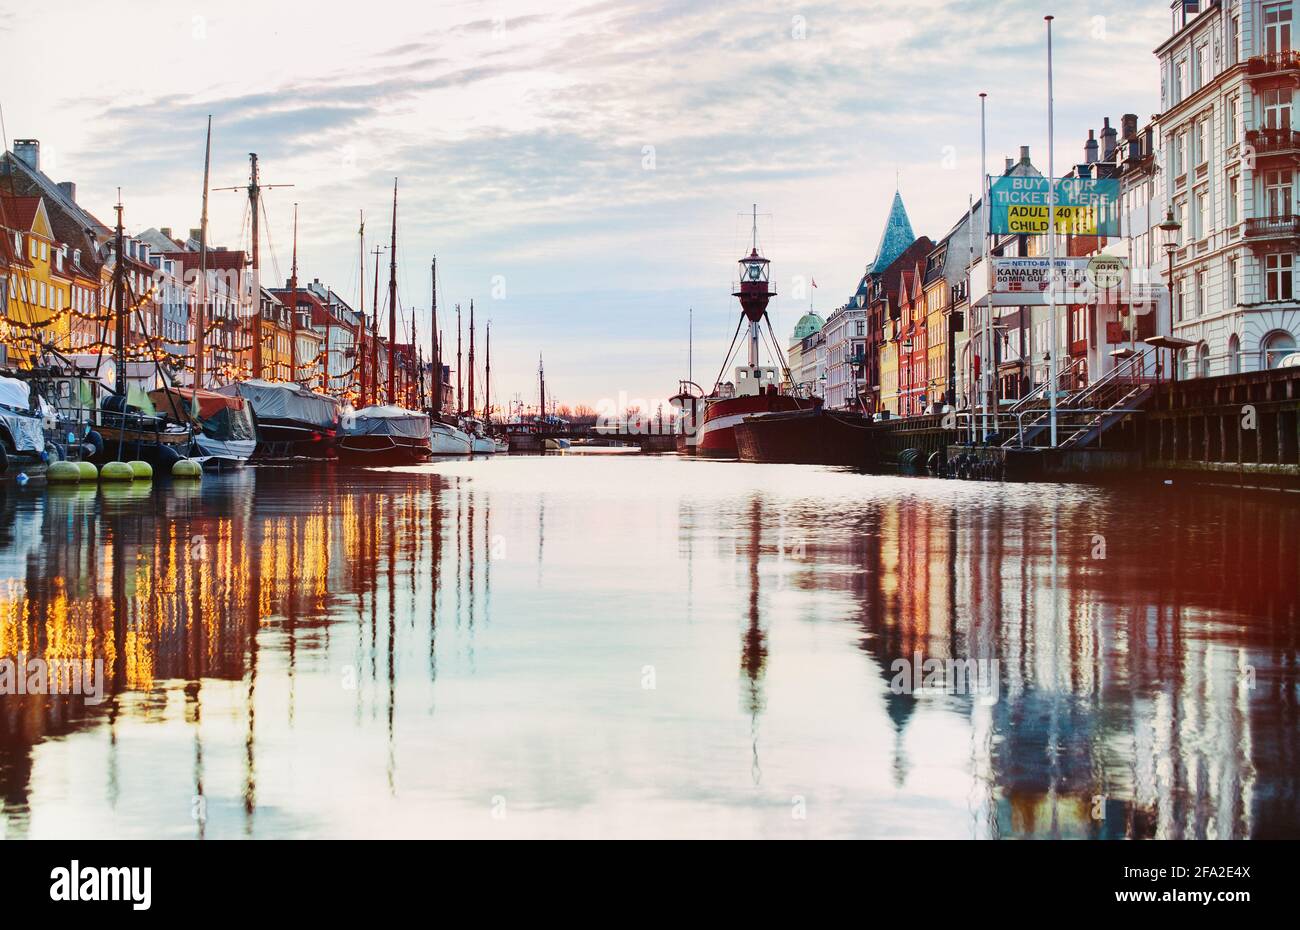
(591, 148)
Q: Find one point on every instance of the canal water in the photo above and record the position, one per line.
(621, 645)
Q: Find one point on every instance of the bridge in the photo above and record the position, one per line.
(533, 438)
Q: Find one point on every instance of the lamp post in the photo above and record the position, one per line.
(1171, 228)
(907, 348)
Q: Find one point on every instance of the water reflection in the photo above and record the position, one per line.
(588, 646)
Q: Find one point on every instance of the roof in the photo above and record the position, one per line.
(895, 238)
(808, 324)
(20, 212)
(218, 260)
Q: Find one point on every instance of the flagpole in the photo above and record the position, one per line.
(1054, 342)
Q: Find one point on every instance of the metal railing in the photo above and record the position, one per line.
(1268, 141)
(1284, 225)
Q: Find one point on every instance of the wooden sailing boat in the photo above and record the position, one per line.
(386, 434)
(480, 442)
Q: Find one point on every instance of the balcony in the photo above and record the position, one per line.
(1269, 229)
(1276, 65)
(1274, 145)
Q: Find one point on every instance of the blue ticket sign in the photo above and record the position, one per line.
(1084, 206)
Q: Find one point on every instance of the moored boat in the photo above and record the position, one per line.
(224, 435)
(445, 439)
(384, 435)
(755, 389)
(290, 420)
(807, 437)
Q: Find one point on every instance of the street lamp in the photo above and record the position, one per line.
(1171, 228)
(907, 348)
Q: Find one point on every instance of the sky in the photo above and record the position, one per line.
(583, 171)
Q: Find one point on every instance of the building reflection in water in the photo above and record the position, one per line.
(1147, 680)
(279, 644)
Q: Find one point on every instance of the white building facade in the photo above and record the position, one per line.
(1229, 155)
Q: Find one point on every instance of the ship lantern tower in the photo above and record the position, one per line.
(754, 291)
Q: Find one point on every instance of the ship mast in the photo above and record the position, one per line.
(201, 310)
(460, 397)
(361, 316)
(293, 305)
(471, 357)
(254, 189)
(487, 375)
(374, 333)
(118, 301)
(541, 388)
(437, 358)
(392, 304)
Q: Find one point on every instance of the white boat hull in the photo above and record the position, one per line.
(222, 453)
(448, 440)
(484, 446)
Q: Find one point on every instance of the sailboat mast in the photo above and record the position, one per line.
(255, 318)
(201, 314)
(119, 247)
(293, 304)
(361, 315)
(487, 374)
(541, 388)
(471, 357)
(374, 334)
(460, 397)
(437, 358)
(392, 304)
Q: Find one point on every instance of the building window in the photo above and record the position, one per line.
(1202, 294)
(1277, 346)
(1278, 192)
(1277, 108)
(1232, 282)
(1277, 28)
(1230, 128)
(1234, 354)
(1234, 40)
(1180, 297)
(1200, 219)
(1279, 275)
(1180, 81)
(1200, 66)
(1234, 197)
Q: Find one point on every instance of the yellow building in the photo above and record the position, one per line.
(936, 329)
(36, 296)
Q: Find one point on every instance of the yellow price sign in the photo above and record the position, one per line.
(1028, 221)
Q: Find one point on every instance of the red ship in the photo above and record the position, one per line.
(711, 431)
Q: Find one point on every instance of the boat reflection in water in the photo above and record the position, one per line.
(402, 653)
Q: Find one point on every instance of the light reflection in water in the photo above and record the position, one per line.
(618, 645)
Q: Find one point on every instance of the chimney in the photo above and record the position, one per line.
(1024, 154)
(1090, 148)
(1128, 125)
(1108, 139)
(29, 152)
(69, 189)
(166, 231)
(1011, 163)
(194, 233)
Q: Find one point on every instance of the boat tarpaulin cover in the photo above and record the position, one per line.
(15, 394)
(210, 402)
(272, 400)
(387, 420)
(26, 429)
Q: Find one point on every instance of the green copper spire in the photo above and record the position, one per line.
(896, 238)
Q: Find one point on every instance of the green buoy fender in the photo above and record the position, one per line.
(88, 471)
(187, 468)
(63, 473)
(141, 470)
(116, 471)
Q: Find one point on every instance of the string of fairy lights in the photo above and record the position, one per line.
(32, 337)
